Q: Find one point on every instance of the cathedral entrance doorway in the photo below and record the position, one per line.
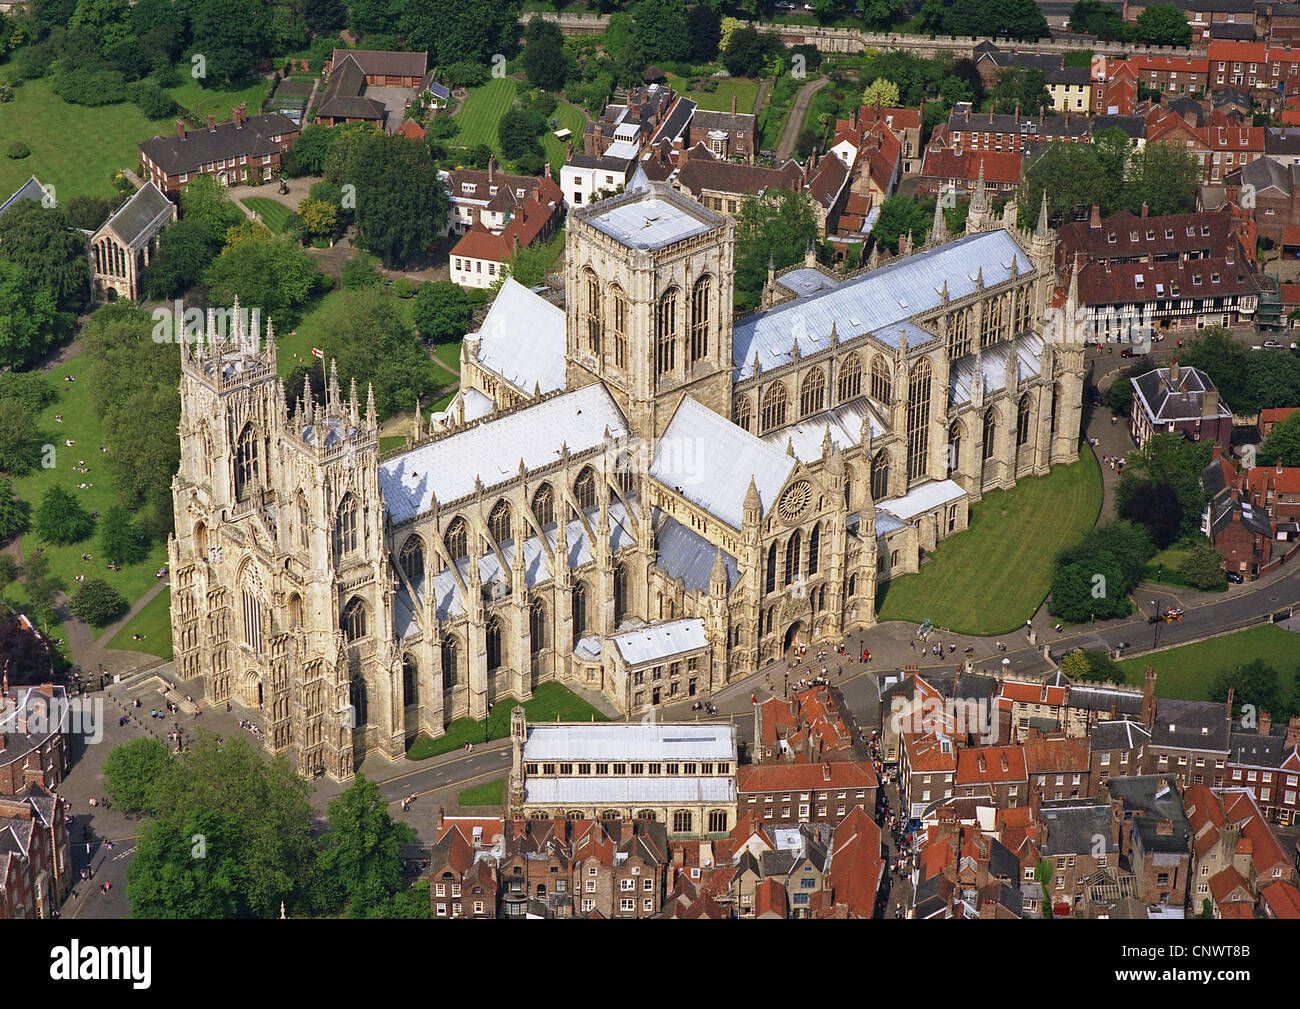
(251, 692)
(796, 635)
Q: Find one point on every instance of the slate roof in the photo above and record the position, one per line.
(683, 553)
(344, 99)
(880, 302)
(1073, 825)
(1117, 734)
(522, 339)
(738, 122)
(1182, 401)
(1194, 725)
(29, 190)
(219, 143)
(635, 741)
(140, 218)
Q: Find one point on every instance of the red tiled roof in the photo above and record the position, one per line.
(991, 765)
(1000, 167)
(786, 777)
(1283, 899)
(769, 896)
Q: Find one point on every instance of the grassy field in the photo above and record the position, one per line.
(549, 702)
(490, 793)
(567, 117)
(81, 426)
(744, 89)
(991, 577)
(1187, 671)
(216, 101)
(272, 212)
(154, 621)
(479, 116)
(74, 149)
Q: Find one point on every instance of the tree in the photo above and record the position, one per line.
(60, 519)
(97, 603)
(20, 441)
(1018, 19)
(1092, 17)
(1161, 486)
(360, 271)
(205, 201)
(545, 61)
(361, 850)
(1023, 88)
(120, 539)
(30, 320)
(324, 17)
(776, 228)
(133, 386)
(704, 30)
(1282, 446)
(1154, 504)
(263, 270)
(1073, 176)
(185, 251)
(231, 35)
(880, 14)
(1202, 568)
(15, 513)
(747, 51)
(881, 92)
(1163, 25)
(1095, 576)
(1164, 177)
(131, 769)
(190, 867)
(319, 219)
(401, 204)
(89, 212)
(1120, 396)
(529, 263)
(311, 149)
(29, 658)
(460, 30)
(364, 332)
(518, 131)
(1092, 665)
(1253, 682)
(442, 311)
(898, 215)
(261, 844)
(42, 587)
(661, 29)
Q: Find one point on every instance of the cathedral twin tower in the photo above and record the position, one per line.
(689, 496)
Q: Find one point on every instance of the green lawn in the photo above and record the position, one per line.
(744, 89)
(75, 149)
(392, 441)
(479, 116)
(154, 621)
(549, 701)
(567, 117)
(490, 793)
(449, 354)
(81, 425)
(991, 577)
(272, 212)
(1187, 671)
(216, 101)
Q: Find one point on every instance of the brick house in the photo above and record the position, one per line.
(33, 747)
(728, 135)
(998, 772)
(1235, 852)
(243, 150)
(1150, 828)
(482, 255)
(1078, 840)
(1182, 400)
(1116, 748)
(35, 864)
(809, 726)
(1058, 767)
(725, 186)
(1266, 760)
(800, 793)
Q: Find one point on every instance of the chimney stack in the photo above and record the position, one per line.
(1145, 209)
(212, 123)
(733, 104)
(1265, 723)
(180, 129)
(1173, 371)
(240, 114)
(1094, 220)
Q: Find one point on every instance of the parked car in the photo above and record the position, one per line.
(1272, 345)
(1236, 577)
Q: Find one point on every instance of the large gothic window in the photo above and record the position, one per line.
(585, 489)
(990, 432)
(814, 549)
(450, 662)
(499, 524)
(537, 625)
(359, 701)
(792, 558)
(493, 642)
(620, 593)
(666, 334)
(410, 681)
(743, 413)
(579, 609)
(880, 476)
(252, 614)
(812, 394)
(1024, 309)
(411, 559)
(304, 522)
(773, 411)
(457, 539)
(354, 619)
(992, 321)
(954, 447)
(771, 569)
(1023, 416)
(618, 325)
(347, 526)
(248, 463)
(918, 420)
(544, 505)
(700, 319)
(591, 310)
(850, 385)
(882, 382)
(958, 333)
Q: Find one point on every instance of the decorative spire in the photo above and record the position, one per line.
(752, 501)
(827, 444)
(1041, 232)
(939, 229)
(835, 337)
(789, 447)
(718, 576)
(371, 419)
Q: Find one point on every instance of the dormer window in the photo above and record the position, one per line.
(1139, 281)
(468, 188)
(1205, 231)
(1169, 232)
(1132, 236)
(1151, 236)
(1111, 238)
(1214, 278)
(1196, 280)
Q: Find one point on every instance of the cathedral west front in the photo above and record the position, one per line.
(635, 493)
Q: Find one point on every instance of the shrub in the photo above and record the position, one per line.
(18, 150)
(153, 101)
(360, 271)
(1203, 568)
(167, 77)
(60, 518)
(404, 287)
(97, 603)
